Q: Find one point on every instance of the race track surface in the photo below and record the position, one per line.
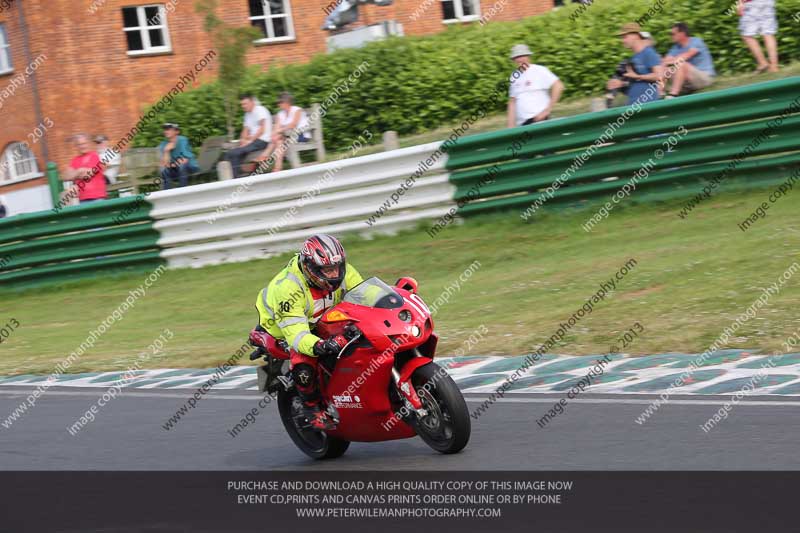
(596, 432)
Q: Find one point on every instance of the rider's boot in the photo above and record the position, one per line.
(304, 379)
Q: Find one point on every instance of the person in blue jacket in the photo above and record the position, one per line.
(177, 158)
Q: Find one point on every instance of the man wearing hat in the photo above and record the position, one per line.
(644, 71)
(177, 158)
(533, 90)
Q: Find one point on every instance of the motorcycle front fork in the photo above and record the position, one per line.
(408, 394)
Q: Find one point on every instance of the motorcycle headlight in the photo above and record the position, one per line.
(404, 315)
(416, 331)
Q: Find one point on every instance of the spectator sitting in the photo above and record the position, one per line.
(643, 72)
(256, 132)
(111, 159)
(619, 74)
(533, 90)
(177, 158)
(291, 122)
(86, 171)
(3, 211)
(691, 59)
(758, 18)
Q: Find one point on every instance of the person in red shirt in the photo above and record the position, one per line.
(86, 172)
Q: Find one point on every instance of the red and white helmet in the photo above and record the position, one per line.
(322, 261)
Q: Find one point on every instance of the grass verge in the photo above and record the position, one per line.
(693, 278)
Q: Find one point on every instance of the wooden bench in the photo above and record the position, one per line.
(140, 166)
(137, 168)
(316, 143)
(210, 152)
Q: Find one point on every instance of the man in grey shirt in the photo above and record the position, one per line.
(690, 60)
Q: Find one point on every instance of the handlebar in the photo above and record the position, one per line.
(356, 335)
(258, 352)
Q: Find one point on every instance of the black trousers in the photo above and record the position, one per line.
(533, 120)
(237, 155)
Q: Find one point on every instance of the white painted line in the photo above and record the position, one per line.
(481, 399)
(97, 393)
(632, 401)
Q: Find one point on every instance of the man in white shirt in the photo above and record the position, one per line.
(255, 135)
(533, 90)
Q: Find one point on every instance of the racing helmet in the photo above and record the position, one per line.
(322, 261)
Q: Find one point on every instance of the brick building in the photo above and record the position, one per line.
(93, 65)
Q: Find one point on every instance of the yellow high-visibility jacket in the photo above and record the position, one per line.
(288, 307)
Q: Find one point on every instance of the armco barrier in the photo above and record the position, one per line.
(110, 236)
(253, 217)
(720, 125)
(258, 216)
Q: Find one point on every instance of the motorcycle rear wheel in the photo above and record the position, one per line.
(446, 428)
(312, 442)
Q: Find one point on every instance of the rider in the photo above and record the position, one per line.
(311, 283)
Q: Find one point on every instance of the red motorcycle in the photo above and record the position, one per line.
(383, 384)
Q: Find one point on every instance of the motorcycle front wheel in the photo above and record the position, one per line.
(313, 442)
(446, 426)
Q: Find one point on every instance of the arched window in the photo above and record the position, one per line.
(18, 163)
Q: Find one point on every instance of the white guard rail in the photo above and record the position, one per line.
(259, 216)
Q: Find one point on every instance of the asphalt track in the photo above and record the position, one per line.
(597, 432)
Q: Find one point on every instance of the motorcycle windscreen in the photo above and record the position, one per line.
(373, 292)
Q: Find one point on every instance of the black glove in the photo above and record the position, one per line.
(331, 346)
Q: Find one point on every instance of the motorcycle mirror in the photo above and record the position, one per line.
(409, 284)
(351, 332)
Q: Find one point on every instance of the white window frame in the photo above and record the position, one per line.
(268, 16)
(6, 65)
(144, 31)
(458, 6)
(9, 168)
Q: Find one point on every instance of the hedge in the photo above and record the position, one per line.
(416, 83)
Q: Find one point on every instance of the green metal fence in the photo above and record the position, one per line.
(761, 119)
(748, 135)
(111, 236)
